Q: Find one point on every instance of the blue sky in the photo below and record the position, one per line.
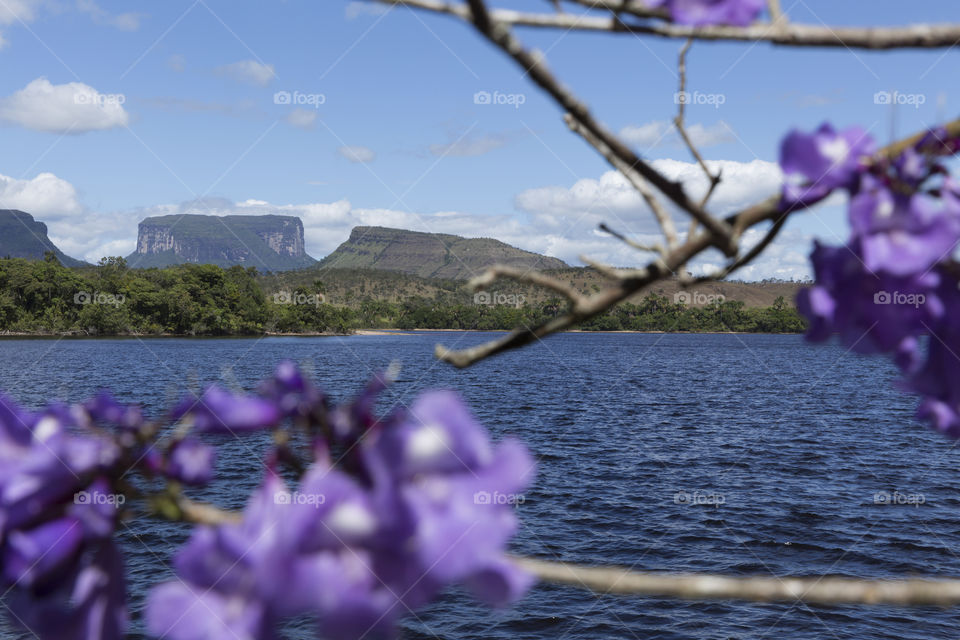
(393, 135)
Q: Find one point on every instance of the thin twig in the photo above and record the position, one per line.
(656, 248)
(713, 179)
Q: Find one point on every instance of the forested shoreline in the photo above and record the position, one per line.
(111, 299)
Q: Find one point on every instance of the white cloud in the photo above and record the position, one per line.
(64, 108)
(357, 153)
(302, 118)
(122, 21)
(660, 133)
(249, 71)
(45, 195)
(558, 221)
(612, 196)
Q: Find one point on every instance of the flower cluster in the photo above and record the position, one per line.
(362, 541)
(893, 282)
(57, 515)
(706, 12)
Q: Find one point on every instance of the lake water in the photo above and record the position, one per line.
(792, 440)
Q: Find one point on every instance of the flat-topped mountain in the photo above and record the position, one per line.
(269, 243)
(429, 255)
(23, 237)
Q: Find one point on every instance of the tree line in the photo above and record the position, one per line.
(45, 297)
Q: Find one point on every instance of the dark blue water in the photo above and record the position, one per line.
(793, 442)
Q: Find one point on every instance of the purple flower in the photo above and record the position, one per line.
(428, 502)
(219, 411)
(903, 233)
(103, 408)
(87, 602)
(816, 164)
(707, 12)
(191, 462)
(872, 312)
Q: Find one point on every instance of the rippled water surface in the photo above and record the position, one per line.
(738, 454)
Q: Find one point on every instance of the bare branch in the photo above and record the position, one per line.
(769, 209)
(918, 36)
(496, 272)
(814, 590)
(631, 243)
(714, 179)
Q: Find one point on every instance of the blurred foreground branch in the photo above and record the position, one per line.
(623, 15)
(812, 590)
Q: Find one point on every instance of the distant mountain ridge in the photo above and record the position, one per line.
(268, 242)
(23, 237)
(430, 255)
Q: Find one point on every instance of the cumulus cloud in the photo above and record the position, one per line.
(661, 133)
(249, 72)
(63, 108)
(45, 195)
(612, 196)
(557, 221)
(302, 118)
(357, 153)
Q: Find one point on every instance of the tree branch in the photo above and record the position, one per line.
(598, 303)
(813, 590)
(918, 36)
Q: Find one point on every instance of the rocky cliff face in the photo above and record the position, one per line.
(430, 255)
(269, 243)
(23, 237)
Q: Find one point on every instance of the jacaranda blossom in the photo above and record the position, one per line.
(892, 284)
(219, 411)
(815, 164)
(428, 503)
(57, 515)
